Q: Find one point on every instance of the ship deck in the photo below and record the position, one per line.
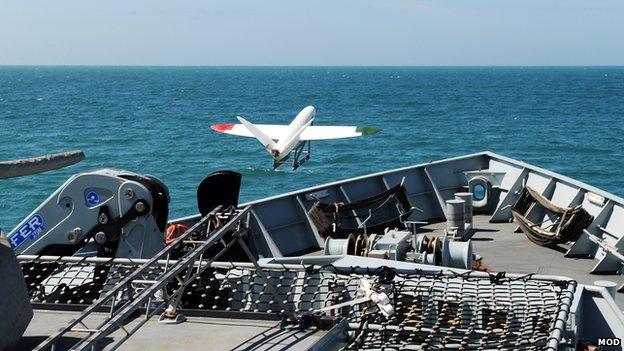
(504, 250)
(197, 333)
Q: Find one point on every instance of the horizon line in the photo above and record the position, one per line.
(311, 66)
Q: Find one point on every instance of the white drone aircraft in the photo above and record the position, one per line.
(282, 140)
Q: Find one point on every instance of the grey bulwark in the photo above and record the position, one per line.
(14, 300)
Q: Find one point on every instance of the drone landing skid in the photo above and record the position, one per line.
(299, 156)
(302, 154)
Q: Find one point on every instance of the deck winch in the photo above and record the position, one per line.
(403, 245)
(106, 213)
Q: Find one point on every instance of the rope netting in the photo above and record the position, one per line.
(471, 311)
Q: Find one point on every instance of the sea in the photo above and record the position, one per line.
(156, 120)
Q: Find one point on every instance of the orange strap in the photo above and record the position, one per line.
(173, 232)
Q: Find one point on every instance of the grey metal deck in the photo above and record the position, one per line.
(197, 333)
(506, 251)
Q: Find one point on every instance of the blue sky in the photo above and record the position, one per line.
(290, 32)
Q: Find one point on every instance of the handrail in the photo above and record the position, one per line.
(118, 314)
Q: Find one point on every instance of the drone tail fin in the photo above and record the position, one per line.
(264, 139)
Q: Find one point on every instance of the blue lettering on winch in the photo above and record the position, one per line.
(92, 198)
(28, 231)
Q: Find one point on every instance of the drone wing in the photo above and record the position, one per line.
(274, 131)
(336, 132)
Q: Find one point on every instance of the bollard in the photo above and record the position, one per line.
(467, 197)
(455, 217)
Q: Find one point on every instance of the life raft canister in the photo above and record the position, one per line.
(173, 232)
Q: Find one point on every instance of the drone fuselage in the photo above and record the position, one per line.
(291, 139)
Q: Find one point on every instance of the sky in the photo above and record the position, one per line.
(312, 33)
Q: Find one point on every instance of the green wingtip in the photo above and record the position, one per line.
(368, 130)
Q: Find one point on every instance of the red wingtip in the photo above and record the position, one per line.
(221, 128)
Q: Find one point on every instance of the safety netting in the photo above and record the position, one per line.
(449, 310)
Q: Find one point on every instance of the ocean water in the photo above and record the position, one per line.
(156, 120)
